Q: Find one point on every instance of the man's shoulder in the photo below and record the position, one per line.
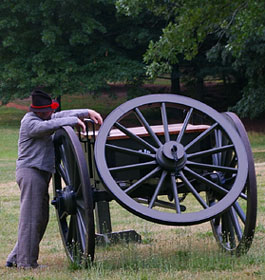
(29, 117)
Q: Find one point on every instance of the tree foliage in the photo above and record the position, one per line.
(238, 27)
(69, 46)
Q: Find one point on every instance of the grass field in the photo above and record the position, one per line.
(165, 252)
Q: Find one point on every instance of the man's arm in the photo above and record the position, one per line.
(38, 128)
(81, 114)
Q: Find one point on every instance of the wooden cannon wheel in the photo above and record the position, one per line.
(73, 197)
(167, 179)
(234, 229)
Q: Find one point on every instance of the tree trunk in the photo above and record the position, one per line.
(200, 89)
(175, 79)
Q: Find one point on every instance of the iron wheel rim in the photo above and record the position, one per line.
(241, 215)
(150, 214)
(77, 229)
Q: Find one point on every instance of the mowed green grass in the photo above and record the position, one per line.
(165, 252)
(9, 127)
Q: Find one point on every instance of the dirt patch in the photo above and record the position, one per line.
(17, 106)
(256, 125)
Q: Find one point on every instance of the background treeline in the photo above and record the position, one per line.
(85, 46)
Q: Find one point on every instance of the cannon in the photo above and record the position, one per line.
(166, 158)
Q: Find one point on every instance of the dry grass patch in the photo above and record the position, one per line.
(167, 252)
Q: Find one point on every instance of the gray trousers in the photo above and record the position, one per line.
(34, 215)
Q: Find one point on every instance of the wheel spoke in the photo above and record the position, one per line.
(62, 215)
(216, 222)
(62, 172)
(201, 136)
(142, 180)
(224, 230)
(209, 183)
(210, 151)
(212, 167)
(218, 141)
(70, 163)
(144, 122)
(72, 168)
(132, 166)
(76, 178)
(77, 246)
(233, 160)
(135, 137)
(231, 233)
(65, 164)
(78, 191)
(235, 223)
(70, 233)
(185, 124)
(165, 122)
(228, 160)
(64, 227)
(193, 190)
(240, 212)
(175, 192)
(130, 151)
(225, 160)
(215, 156)
(158, 187)
(80, 203)
(81, 229)
(63, 156)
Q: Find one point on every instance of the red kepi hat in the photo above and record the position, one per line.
(42, 102)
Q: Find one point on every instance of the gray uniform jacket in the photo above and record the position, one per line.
(35, 146)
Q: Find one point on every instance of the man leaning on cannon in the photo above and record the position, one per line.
(35, 164)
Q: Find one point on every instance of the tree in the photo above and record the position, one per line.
(69, 46)
(252, 62)
(238, 23)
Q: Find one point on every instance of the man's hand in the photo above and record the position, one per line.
(81, 125)
(95, 116)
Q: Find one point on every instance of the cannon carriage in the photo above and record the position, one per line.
(166, 158)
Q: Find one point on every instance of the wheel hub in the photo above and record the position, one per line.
(171, 156)
(65, 201)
